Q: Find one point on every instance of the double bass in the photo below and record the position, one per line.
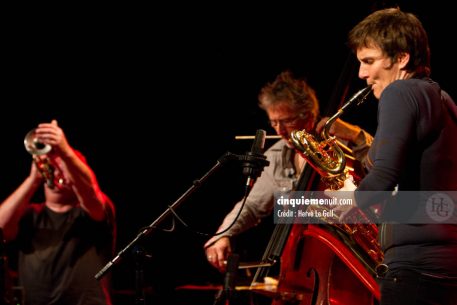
(330, 263)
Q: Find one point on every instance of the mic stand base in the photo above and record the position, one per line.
(139, 256)
(224, 297)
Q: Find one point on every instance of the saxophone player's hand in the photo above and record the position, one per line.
(344, 198)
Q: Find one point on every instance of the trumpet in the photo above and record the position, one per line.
(45, 164)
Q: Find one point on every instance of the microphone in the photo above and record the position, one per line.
(259, 142)
(254, 161)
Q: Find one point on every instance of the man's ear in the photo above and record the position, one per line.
(403, 60)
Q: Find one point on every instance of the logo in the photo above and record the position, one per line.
(440, 207)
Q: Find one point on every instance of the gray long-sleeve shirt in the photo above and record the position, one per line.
(278, 176)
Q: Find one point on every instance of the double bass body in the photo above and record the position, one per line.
(328, 264)
(318, 267)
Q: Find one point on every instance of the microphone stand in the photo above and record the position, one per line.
(139, 257)
(225, 296)
(196, 185)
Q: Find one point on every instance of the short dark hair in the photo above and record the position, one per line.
(394, 32)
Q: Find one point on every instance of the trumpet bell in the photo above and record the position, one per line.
(33, 146)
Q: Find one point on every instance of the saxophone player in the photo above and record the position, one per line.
(413, 150)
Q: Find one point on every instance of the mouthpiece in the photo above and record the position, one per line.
(359, 97)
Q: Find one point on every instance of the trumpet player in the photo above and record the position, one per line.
(66, 239)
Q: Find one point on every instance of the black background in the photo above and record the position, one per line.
(153, 96)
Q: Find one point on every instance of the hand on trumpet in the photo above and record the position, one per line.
(47, 143)
(35, 175)
(52, 134)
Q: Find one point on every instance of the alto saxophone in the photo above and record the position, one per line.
(329, 161)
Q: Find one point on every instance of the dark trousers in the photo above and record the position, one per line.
(409, 287)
